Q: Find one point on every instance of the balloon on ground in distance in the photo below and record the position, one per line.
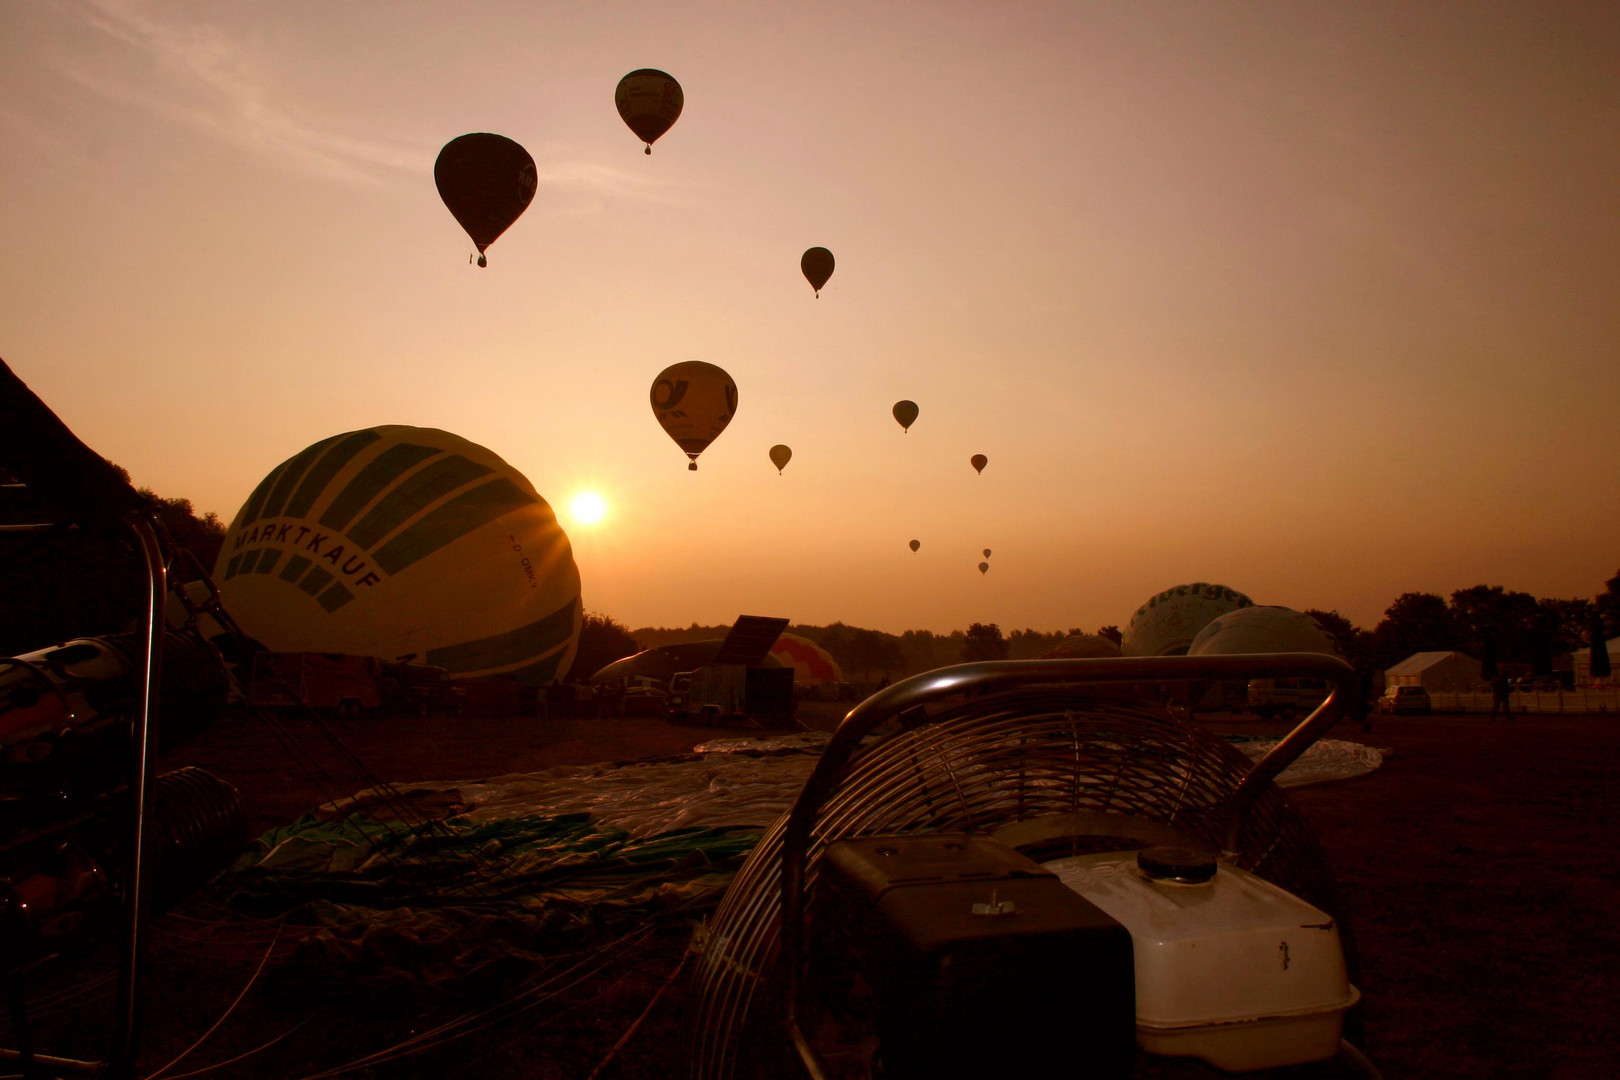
(978, 461)
(812, 665)
(915, 544)
(694, 402)
(817, 265)
(1262, 629)
(1083, 647)
(1167, 623)
(649, 102)
(780, 456)
(984, 567)
(486, 181)
(905, 414)
(405, 542)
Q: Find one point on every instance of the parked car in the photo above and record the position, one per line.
(1405, 699)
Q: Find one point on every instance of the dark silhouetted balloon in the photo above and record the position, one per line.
(694, 402)
(817, 264)
(486, 181)
(978, 461)
(780, 456)
(915, 544)
(650, 102)
(905, 414)
(984, 568)
(987, 553)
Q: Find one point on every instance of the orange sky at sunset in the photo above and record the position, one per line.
(1315, 300)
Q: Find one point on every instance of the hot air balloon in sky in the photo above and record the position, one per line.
(817, 264)
(984, 568)
(915, 544)
(649, 102)
(978, 461)
(780, 456)
(905, 414)
(694, 402)
(987, 553)
(402, 541)
(486, 181)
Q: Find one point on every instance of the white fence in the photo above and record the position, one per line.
(1569, 702)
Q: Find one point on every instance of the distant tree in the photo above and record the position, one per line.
(1112, 633)
(1351, 639)
(1565, 622)
(870, 651)
(602, 640)
(1608, 605)
(1507, 623)
(983, 641)
(1415, 622)
(202, 536)
(1029, 644)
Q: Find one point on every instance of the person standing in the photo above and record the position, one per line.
(1501, 696)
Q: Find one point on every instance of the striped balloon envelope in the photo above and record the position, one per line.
(405, 543)
(811, 663)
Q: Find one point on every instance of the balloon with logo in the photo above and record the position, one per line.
(978, 461)
(817, 266)
(486, 181)
(649, 102)
(915, 544)
(405, 543)
(1167, 623)
(905, 414)
(780, 456)
(694, 402)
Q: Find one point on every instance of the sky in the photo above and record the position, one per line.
(1314, 300)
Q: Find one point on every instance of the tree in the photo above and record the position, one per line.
(1415, 622)
(1353, 642)
(1489, 618)
(1608, 605)
(983, 641)
(1112, 633)
(602, 640)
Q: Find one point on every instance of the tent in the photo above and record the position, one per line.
(1445, 671)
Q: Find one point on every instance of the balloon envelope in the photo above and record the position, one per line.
(694, 402)
(1262, 629)
(915, 544)
(984, 567)
(486, 181)
(978, 461)
(650, 102)
(394, 540)
(811, 663)
(1082, 647)
(817, 265)
(1167, 623)
(905, 413)
(987, 553)
(780, 456)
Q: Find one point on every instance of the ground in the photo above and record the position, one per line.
(1479, 866)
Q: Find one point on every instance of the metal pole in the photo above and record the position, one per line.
(125, 1041)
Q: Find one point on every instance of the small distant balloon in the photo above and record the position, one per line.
(978, 461)
(780, 456)
(984, 568)
(486, 181)
(915, 544)
(987, 553)
(694, 402)
(817, 264)
(905, 414)
(649, 102)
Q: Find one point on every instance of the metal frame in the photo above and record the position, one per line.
(920, 690)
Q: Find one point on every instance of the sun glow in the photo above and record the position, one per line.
(588, 508)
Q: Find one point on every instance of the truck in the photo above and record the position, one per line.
(346, 687)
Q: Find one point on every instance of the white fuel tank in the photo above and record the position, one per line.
(1229, 967)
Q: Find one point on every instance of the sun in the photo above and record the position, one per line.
(588, 508)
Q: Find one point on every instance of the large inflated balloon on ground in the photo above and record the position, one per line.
(649, 102)
(1167, 623)
(811, 663)
(817, 266)
(486, 181)
(780, 456)
(1083, 647)
(404, 541)
(694, 402)
(905, 414)
(1262, 629)
(978, 461)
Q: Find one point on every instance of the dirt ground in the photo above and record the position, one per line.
(1479, 865)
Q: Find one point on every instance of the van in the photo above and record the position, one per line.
(1286, 698)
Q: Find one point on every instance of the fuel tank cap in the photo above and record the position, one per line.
(1181, 865)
